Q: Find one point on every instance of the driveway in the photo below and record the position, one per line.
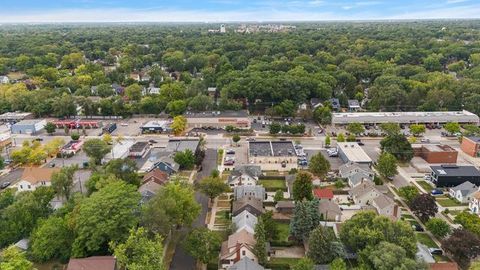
(182, 260)
(12, 177)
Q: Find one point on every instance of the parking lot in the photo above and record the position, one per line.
(78, 159)
(335, 162)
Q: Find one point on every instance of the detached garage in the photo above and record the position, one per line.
(32, 126)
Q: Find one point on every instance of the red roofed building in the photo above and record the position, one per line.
(444, 266)
(93, 263)
(323, 193)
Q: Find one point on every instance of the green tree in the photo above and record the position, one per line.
(286, 108)
(452, 127)
(469, 221)
(327, 140)
(390, 128)
(275, 128)
(408, 193)
(278, 196)
(387, 165)
(52, 239)
(322, 247)
(305, 219)
(14, 259)
(62, 181)
(302, 186)
(185, 159)
(171, 208)
(202, 244)
(212, 187)
(438, 227)
(75, 136)
(140, 251)
(417, 129)
(304, 264)
(260, 248)
(50, 128)
(176, 107)
(340, 137)
(124, 169)
(179, 124)
(397, 145)
(424, 207)
(338, 264)
(134, 92)
(96, 149)
(319, 165)
(107, 215)
(236, 138)
(355, 128)
(367, 228)
(323, 115)
(201, 103)
(270, 225)
(386, 256)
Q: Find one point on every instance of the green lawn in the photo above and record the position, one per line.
(49, 266)
(425, 185)
(283, 231)
(273, 184)
(221, 217)
(423, 238)
(448, 202)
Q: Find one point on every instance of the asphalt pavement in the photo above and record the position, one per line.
(182, 260)
(12, 177)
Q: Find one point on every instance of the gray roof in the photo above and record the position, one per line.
(285, 204)
(243, 190)
(455, 170)
(383, 201)
(179, 145)
(170, 162)
(465, 188)
(362, 189)
(327, 207)
(358, 177)
(474, 138)
(245, 219)
(246, 263)
(353, 103)
(28, 122)
(424, 254)
(272, 148)
(252, 170)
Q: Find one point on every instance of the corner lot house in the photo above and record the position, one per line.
(239, 245)
(463, 192)
(32, 178)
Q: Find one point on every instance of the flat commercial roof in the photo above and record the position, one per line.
(272, 148)
(156, 124)
(455, 170)
(404, 117)
(178, 145)
(15, 115)
(353, 152)
(138, 146)
(216, 114)
(28, 122)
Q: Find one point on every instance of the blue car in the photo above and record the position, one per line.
(437, 192)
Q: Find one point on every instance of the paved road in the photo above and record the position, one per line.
(12, 177)
(181, 260)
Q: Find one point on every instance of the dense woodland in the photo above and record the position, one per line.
(388, 66)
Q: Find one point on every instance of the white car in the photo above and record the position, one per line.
(124, 124)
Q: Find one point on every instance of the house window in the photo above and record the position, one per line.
(244, 253)
(21, 186)
(29, 187)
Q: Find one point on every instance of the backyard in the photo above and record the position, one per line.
(449, 202)
(425, 239)
(272, 185)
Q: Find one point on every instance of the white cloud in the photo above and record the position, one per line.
(456, 1)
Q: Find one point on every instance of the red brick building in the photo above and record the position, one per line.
(436, 153)
(471, 146)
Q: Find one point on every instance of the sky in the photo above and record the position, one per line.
(232, 10)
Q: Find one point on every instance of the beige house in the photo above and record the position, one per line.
(33, 178)
(364, 193)
(329, 210)
(238, 246)
(385, 206)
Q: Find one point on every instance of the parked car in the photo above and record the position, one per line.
(250, 139)
(38, 139)
(360, 142)
(424, 140)
(230, 152)
(229, 163)
(152, 141)
(417, 228)
(51, 165)
(437, 192)
(4, 185)
(435, 251)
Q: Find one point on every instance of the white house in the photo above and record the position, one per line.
(239, 178)
(4, 80)
(245, 221)
(474, 204)
(356, 173)
(364, 193)
(385, 206)
(463, 192)
(239, 245)
(32, 178)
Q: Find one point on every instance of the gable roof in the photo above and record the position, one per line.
(246, 264)
(33, 175)
(243, 190)
(328, 208)
(92, 263)
(350, 168)
(245, 220)
(465, 188)
(237, 175)
(383, 201)
(159, 176)
(253, 205)
(252, 170)
(170, 163)
(323, 193)
(285, 204)
(362, 189)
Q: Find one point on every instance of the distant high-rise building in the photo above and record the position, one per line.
(223, 29)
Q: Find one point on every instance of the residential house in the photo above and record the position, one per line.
(364, 193)
(323, 194)
(252, 204)
(244, 175)
(285, 207)
(246, 264)
(72, 147)
(245, 221)
(33, 178)
(329, 210)
(93, 263)
(212, 92)
(443, 266)
(4, 80)
(386, 206)
(167, 165)
(353, 105)
(423, 254)
(139, 149)
(156, 175)
(463, 192)
(315, 103)
(302, 107)
(474, 204)
(239, 245)
(152, 90)
(335, 103)
(356, 173)
(148, 190)
(251, 191)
